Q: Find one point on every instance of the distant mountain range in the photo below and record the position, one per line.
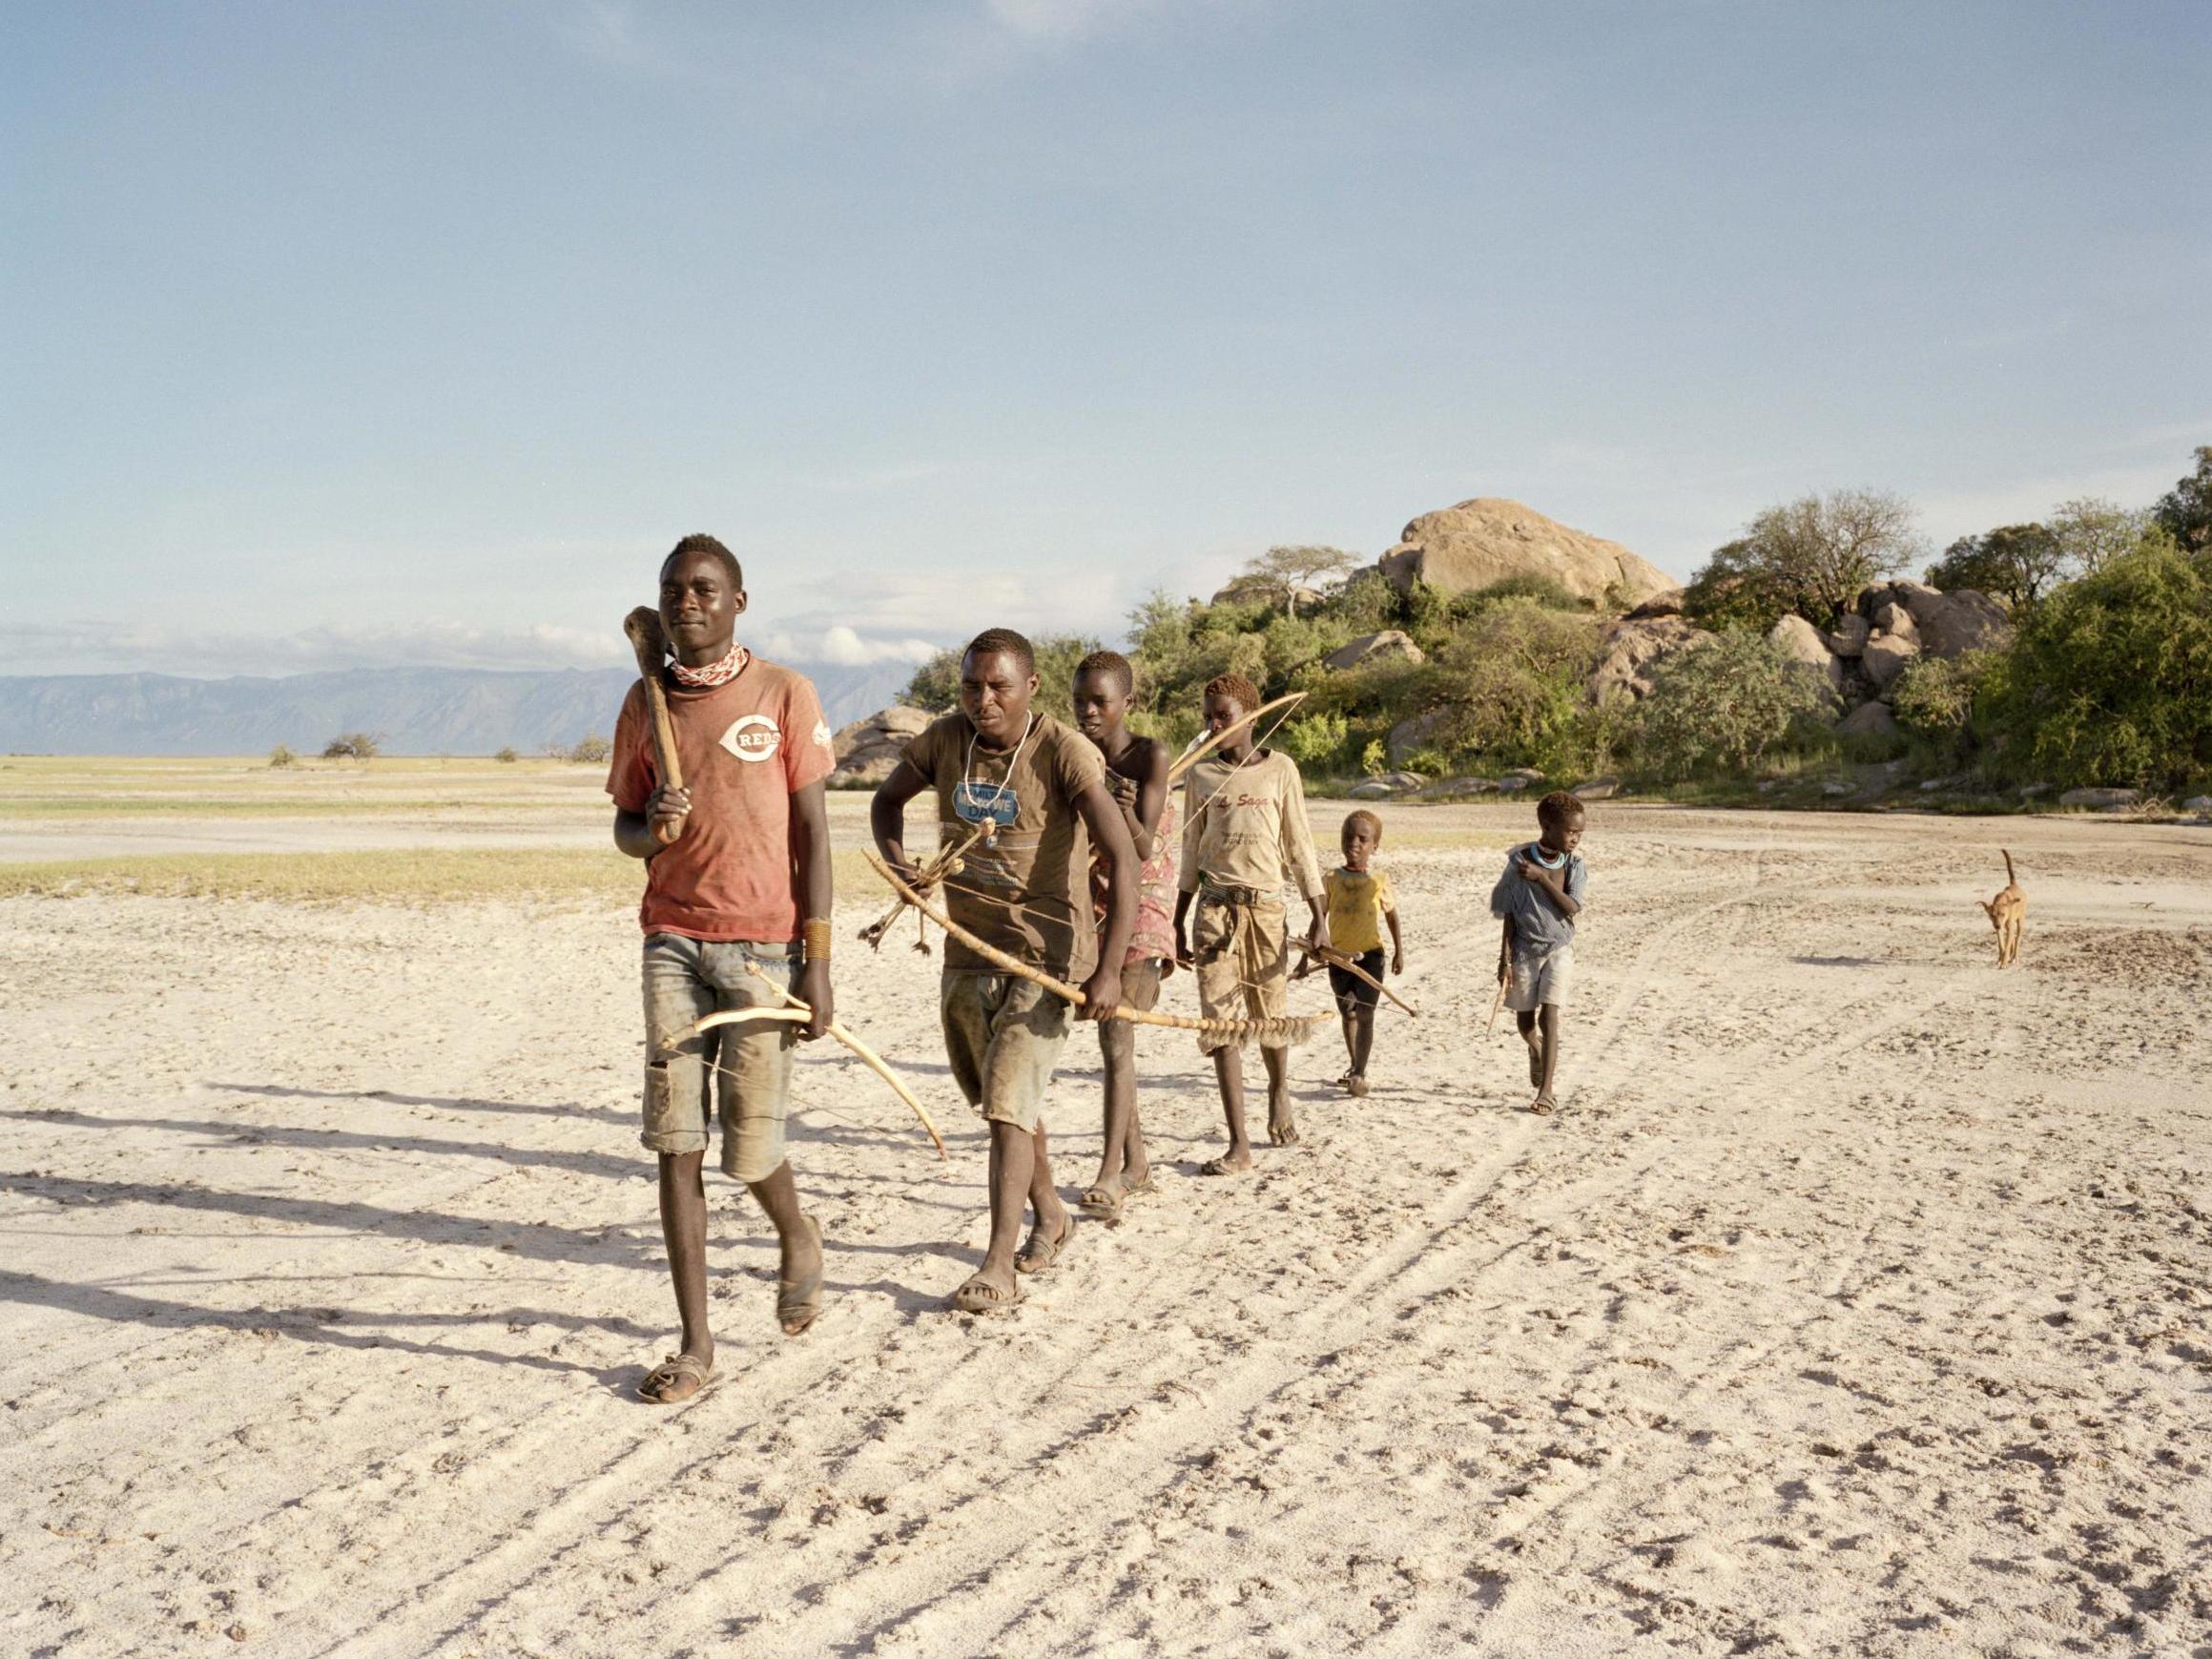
(414, 711)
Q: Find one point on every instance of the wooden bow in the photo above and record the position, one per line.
(1338, 958)
(1291, 1029)
(1208, 742)
(796, 1012)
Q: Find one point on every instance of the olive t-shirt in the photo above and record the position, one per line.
(1026, 887)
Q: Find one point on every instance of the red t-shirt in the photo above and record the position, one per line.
(745, 748)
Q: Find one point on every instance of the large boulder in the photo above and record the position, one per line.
(1900, 592)
(1388, 646)
(1952, 624)
(1488, 540)
(1632, 647)
(1666, 604)
(868, 751)
(1848, 637)
(1896, 620)
(1410, 736)
(1942, 624)
(1798, 640)
(1870, 720)
(1885, 657)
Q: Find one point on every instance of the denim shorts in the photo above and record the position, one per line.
(685, 979)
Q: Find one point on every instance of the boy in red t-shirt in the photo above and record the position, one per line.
(747, 881)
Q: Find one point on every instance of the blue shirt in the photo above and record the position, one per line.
(1538, 924)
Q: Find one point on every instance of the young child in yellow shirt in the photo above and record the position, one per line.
(1360, 903)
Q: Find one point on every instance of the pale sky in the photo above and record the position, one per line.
(418, 332)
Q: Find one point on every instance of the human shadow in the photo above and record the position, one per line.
(332, 1327)
(1840, 962)
(614, 1245)
(447, 1103)
(338, 1140)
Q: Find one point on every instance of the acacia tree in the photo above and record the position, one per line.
(2093, 531)
(1819, 550)
(2017, 563)
(1282, 573)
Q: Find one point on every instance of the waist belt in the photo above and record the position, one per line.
(1221, 893)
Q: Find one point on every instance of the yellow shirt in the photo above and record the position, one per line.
(1357, 904)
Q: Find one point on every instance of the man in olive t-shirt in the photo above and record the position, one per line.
(1025, 889)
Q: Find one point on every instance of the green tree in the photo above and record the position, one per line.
(1735, 589)
(1280, 574)
(1365, 604)
(936, 685)
(591, 750)
(1811, 555)
(2109, 682)
(1314, 739)
(2091, 530)
(1508, 683)
(2017, 564)
(1934, 697)
(2186, 511)
(1726, 703)
(353, 746)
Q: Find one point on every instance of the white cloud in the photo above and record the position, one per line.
(845, 648)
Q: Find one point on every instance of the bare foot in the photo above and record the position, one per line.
(1356, 1086)
(1233, 1162)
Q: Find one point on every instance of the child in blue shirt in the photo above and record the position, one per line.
(1537, 898)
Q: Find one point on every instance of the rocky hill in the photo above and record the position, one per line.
(415, 710)
(1489, 540)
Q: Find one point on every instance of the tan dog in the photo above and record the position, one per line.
(2006, 912)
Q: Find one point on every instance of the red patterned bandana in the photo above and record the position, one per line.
(714, 674)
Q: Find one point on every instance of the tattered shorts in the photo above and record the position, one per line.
(685, 981)
(1541, 977)
(1242, 962)
(1002, 1037)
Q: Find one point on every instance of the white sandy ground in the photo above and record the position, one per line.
(1855, 1304)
